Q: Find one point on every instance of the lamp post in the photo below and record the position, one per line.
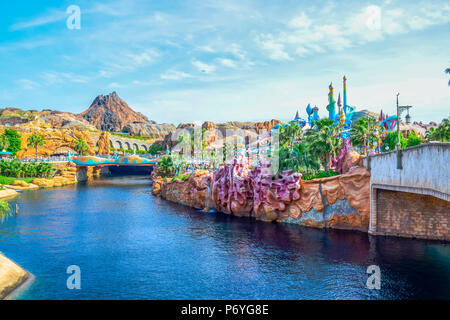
(400, 109)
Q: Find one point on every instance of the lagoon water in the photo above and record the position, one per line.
(131, 245)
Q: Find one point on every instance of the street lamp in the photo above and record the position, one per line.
(400, 109)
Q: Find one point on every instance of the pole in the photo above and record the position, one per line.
(399, 146)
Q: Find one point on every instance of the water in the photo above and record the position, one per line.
(131, 245)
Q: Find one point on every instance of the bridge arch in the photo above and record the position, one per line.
(144, 147)
(118, 144)
(127, 145)
(135, 147)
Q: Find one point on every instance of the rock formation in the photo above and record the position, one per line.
(56, 141)
(103, 143)
(341, 202)
(111, 113)
(192, 192)
(149, 129)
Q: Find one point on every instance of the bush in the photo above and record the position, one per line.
(182, 178)
(155, 148)
(391, 141)
(321, 174)
(413, 140)
(18, 169)
(15, 144)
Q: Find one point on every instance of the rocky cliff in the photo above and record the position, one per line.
(57, 141)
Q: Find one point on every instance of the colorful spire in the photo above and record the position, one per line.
(331, 103)
(345, 94)
(339, 102)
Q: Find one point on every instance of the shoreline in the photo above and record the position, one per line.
(13, 278)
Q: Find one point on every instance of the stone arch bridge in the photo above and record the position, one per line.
(118, 142)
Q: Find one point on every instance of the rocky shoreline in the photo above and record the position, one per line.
(12, 277)
(339, 202)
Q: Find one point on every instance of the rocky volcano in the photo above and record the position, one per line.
(110, 113)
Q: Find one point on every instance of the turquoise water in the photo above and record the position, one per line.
(131, 245)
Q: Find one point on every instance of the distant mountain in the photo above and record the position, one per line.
(111, 113)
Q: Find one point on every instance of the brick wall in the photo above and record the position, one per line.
(412, 215)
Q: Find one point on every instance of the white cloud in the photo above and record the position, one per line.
(52, 17)
(175, 75)
(274, 48)
(27, 84)
(63, 77)
(147, 56)
(203, 67)
(227, 62)
(302, 21)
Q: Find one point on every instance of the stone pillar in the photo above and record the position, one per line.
(373, 211)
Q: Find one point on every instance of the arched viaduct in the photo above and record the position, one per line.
(118, 142)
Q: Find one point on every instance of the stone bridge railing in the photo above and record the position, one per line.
(426, 170)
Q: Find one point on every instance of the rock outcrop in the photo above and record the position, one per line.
(192, 192)
(12, 276)
(103, 143)
(56, 141)
(66, 174)
(111, 113)
(340, 202)
(149, 129)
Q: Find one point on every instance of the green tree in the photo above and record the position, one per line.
(155, 148)
(15, 144)
(289, 134)
(165, 166)
(4, 142)
(45, 169)
(413, 140)
(29, 169)
(441, 133)
(390, 142)
(35, 141)
(324, 141)
(81, 146)
(368, 127)
(5, 210)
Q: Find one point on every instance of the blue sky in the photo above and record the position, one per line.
(198, 60)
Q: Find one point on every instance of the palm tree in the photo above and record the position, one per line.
(441, 133)
(165, 165)
(324, 141)
(35, 141)
(4, 142)
(81, 146)
(447, 71)
(29, 169)
(365, 130)
(5, 210)
(45, 169)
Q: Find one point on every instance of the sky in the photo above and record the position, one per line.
(211, 60)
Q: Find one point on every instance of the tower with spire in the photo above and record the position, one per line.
(331, 103)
